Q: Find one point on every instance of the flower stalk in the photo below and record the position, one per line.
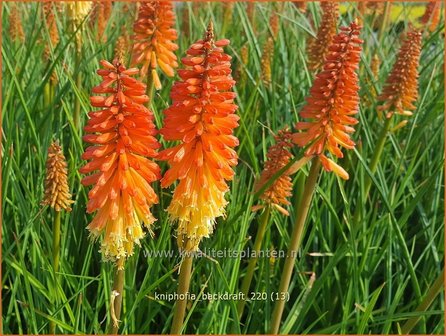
(379, 146)
(247, 279)
(295, 240)
(431, 294)
(116, 300)
(274, 197)
(183, 290)
(58, 197)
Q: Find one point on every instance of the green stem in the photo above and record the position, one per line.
(56, 241)
(150, 88)
(296, 236)
(118, 289)
(424, 305)
(253, 261)
(47, 95)
(56, 258)
(373, 166)
(183, 290)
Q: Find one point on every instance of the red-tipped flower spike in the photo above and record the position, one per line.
(122, 137)
(279, 156)
(202, 118)
(333, 101)
(431, 16)
(401, 88)
(154, 39)
(318, 48)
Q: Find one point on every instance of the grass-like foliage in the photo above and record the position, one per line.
(371, 253)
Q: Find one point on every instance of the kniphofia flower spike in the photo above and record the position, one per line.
(57, 192)
(431, 16)
(122, 140)
(154, 38)
(333, 101)
(318, 47)
(202, 118)
(401, 88)
(278, 157)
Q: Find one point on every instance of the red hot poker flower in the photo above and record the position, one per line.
(431, 16)
(279, 156)
(333, 101)
(202, 118)
(122, 137)
(154, 39)
(57, 191)
(318, 47)
(401, 88)
(15, 24)
(50, 20)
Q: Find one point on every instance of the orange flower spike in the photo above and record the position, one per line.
(318, 47)
(154, 38)
(431, 16)
(265, 61)
(274, 23)
(278, 156)
(333, 101)
(50, 20)
(401, 88)
(15, 24)
(122, 45)
(202, 118)
(57, 191)
(122, 134)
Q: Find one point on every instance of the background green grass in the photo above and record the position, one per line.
(368, 279)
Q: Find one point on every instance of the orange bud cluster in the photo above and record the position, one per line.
(50, 20)
(333, 101)
(267, 54)
(371, 7)
(154, 39)
(431, 16)
(375, 65)
(15, 24)
(279, 156)
(318, 47)
(202, 118)
(401, 88)
(57, 192)
(122, 45)
(274, 24)
(100, 16)
(240, 74)
(122, 134)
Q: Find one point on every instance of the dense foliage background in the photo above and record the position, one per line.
(366, 279)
